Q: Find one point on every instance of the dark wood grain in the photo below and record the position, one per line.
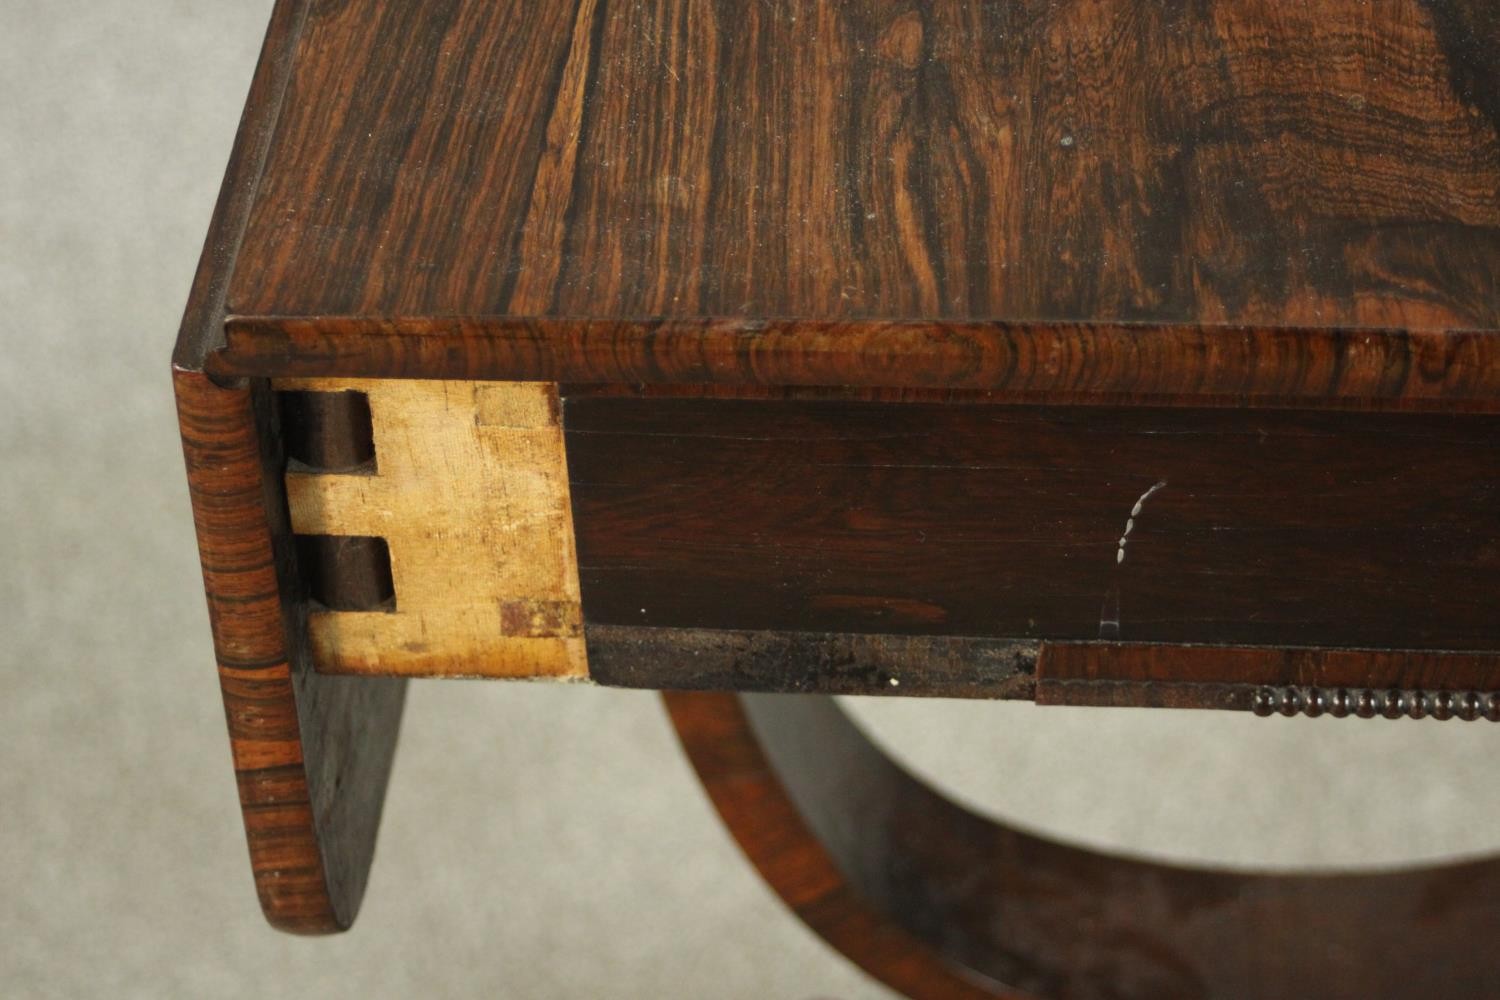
(1125, 674)
(311, 754)
(939, 902)
(870, 223)
(1253, 199)
(1322, 164)
(774, 831)
(1273, 528)
(202, 330)
(1098, 364)
(1365, 683)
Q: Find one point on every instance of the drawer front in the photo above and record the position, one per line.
(1137, 525)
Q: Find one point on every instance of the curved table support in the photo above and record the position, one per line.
(937, 901)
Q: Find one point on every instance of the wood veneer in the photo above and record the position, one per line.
(1259, 201)
(842, 299)
(939, 902)
(312, 754)
(1317, 165)
(1223, 527)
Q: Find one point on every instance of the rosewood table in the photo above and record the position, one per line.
(1094, 352)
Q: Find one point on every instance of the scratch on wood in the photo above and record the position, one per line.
(1109, 615)
(1135, 512)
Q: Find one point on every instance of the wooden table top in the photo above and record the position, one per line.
(1294, 198)
(763, 258)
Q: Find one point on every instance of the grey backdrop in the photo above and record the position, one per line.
(538, 842)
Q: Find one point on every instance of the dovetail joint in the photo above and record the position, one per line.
(1365, 703)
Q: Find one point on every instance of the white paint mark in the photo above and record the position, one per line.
(895, 683)
(1135, 512)
(1109, 615)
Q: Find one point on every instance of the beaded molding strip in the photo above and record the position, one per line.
(1365, 703)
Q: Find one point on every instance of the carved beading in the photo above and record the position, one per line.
(1366, 703)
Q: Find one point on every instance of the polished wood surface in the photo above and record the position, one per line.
(777, 836)
(1258, 200)
(1342, 683)
(1134, 524)
(1330, 163)
(941, 903)
(791, 266)
(1065, 364)
(1338, 682)
(202, 328)
(311, 753)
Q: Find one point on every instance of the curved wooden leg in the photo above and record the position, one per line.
(936, 901)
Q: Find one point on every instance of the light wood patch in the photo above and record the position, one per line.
(470, 491)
